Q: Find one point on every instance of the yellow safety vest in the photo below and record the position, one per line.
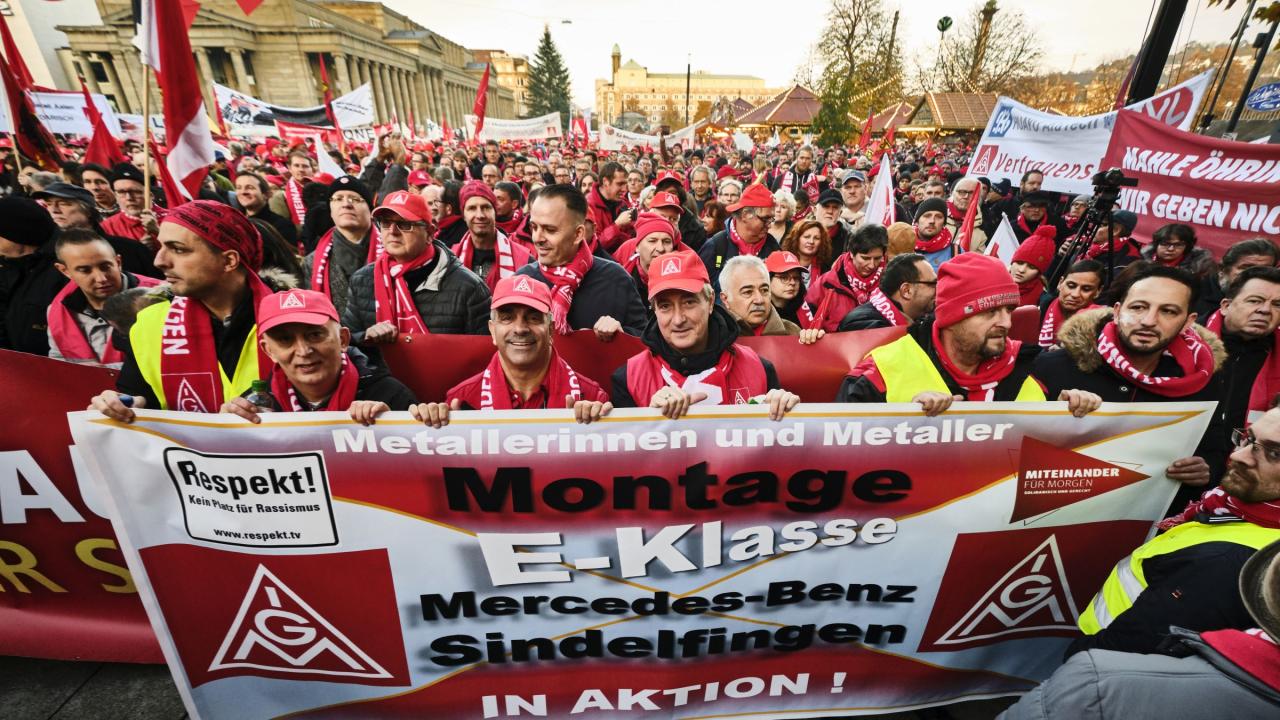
(908, 371)
(1127, 580)
(145, 338)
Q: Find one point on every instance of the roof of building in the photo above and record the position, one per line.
(953, 111)
(796, 106)
(894, 115)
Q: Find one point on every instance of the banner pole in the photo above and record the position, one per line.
(146, 136)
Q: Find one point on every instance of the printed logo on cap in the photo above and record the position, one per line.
(292, 300)
(789, 256)
(522, 285)
(671, 266)
(399, 198)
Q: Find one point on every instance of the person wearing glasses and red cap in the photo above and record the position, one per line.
(526, 372)
(692, 354)
(417, 286)
(315, 368)
(746, 232)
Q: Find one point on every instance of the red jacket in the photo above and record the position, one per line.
(602, 212)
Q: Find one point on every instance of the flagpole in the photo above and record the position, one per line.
(146, 136)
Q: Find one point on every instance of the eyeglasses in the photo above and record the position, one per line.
(1173, 245)
(1244, 437)
(403, 226)
(353, 201)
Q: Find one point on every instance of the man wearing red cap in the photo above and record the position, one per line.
(963, 352)
(346, 247)
(588, 292)
(746, 232)
(655, 235)
(1030, 262)
(692, 354)
(851, 279)
(417, 286)
(672, 201)
(194, 352)
(526, 372)
(485, 250)
(315, 369)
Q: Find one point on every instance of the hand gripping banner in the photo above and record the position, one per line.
(846, 560)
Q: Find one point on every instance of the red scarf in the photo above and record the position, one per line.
(340, 400)
(1191, 353)
(743, 247)
(805, 315)
(320, 260)
(504, 259)
(885, 306)
(1251, 650)
(1029, 292)
(69, 337)
(1267, 383)
(954, 212)
(736, 377)
(393, 302)
(935, 244)
(1022, 223)
(560, 382)
(189, 371)
(981, 385)
(293, 195)
(565, 280)
(1054, 316)
(513, 223)
(1216, 503)
(843, 279)
(1122, 245)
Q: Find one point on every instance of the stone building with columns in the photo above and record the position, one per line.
(274, 54)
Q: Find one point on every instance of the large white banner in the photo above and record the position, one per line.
(1066, 149)
(63, 113)
(612, 138)
(247, 116)
(542, 127)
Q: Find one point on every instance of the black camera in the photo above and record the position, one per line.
(1113, 178)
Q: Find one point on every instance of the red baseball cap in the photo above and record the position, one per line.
(666, 175)
(410, 206)
(677, 271)
(782, 261)
(665, 199)
(522, 290)
(419, 178)
(295, 306)
(757, 196)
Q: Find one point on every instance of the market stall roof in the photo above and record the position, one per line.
(951, 111)
(796, 106)
(895, 115)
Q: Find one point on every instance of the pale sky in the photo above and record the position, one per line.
(770, 39)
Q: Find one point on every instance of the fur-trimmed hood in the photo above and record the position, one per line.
(1079, 337)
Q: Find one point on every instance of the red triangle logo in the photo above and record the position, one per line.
(1050, 477)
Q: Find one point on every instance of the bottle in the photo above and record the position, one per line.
(261, 398)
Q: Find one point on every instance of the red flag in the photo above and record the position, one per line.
(328, 104)
(17, 66)
(866, 133)
(173, 192)
(482, 100)
(248, 6)
(413, 130)
(102, 148)
(30, 135)
(965, 235)
(167, 49)
(444, 127)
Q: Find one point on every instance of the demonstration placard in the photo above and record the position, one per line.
(1225, 190)
(844, 560)
(247, 116)
(612, 138)
(64, 113)
(542, 127)
(1068, 149)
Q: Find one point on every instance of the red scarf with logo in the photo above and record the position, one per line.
(1216, 503)
(743, 247)
(189, 371)
(935, 244)
(842, 279)
(561, 381)
(1191, 353)
(504, 258)
(393, 302)
(320, 260)
(1054, 316)
(297, 208)
(981, 385)
(1267, 383)
(340, 400)
(68, 336)
(885, 306)
(565, 280)
(736, 377)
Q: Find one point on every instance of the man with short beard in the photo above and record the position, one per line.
(485, 250)
(253, 194)
(700, 179)
(1247, 322)
(349, 245)
(1147, 348)
(1076, 292)
(905, 294)
(134, 221)
(933, 240)
(610, 216)
(961, 352)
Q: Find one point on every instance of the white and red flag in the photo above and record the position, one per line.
(880, 207)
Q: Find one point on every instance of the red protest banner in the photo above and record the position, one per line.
(1225, 190)
(64, 589)
(289, 132)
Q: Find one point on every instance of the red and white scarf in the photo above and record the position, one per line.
(560, 382)
(981, 385)
(1054, 316)
(324, 249)
(504, 261)
(565, 280)
(189, 371)
(1216, 503)
(1267, 382)
(743, 247)
(297, 208)
(885, 306)
(792, 177)
(393, 302)
(843, 278)
(937, 243)
(68, 336)
(1187, 349)
(340, 400)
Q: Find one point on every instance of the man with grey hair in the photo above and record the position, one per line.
(966, 190)
(729, 192)
(700, 179)
(744, 291)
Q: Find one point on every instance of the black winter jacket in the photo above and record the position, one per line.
(718, 249)
(864, 317)
(28, 285)
(607, 289)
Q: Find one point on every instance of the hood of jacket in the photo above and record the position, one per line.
(1079, 337)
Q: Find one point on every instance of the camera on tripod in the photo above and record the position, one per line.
(1113, 178)
(1106, 191)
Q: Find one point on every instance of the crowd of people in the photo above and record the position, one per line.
(281, 275)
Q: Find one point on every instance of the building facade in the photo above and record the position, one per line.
(512, 72)
(633, 88)
(274, 54)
